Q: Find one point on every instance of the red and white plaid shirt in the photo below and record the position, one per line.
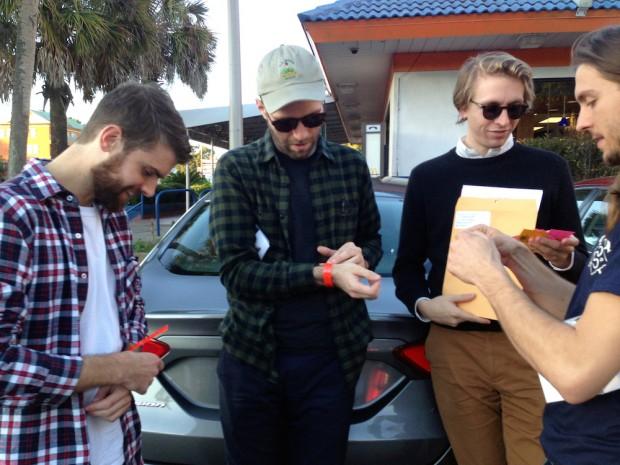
(43, 285)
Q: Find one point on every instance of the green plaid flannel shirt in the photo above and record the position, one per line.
(250, 191)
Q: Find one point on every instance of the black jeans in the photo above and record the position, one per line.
(301, 420)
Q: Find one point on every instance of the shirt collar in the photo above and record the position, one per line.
(464, 151)
(39, 180)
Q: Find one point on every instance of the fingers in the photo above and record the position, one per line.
(456, 298)
(325, 251)
(102, 392)
(349, 252)
(115, 401)
(444, 310)
(140, 368)
(350, 278)
(557, 252)
(466, 316)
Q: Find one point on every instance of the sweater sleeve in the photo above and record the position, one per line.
(409, 273)
(565, 215)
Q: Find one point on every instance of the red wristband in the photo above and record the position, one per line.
(328, 279)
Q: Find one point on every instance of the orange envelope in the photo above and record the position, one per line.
(510, 216)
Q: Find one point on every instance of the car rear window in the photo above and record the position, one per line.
(190, 250)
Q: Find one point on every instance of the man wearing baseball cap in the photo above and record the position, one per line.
(296, 228)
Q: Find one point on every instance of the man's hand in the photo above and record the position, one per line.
(110, 402)
(348, 253)
(350, 278)
(474, 256)
(139, 369)
(558, 253)
(133, 370)
(444, 310)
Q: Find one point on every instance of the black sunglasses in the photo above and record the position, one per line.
(288, 124)
(492, 111)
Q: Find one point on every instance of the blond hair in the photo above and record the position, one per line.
(491, 64)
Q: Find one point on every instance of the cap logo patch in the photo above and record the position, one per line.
(287, 69)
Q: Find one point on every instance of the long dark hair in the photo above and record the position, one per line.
(601, 50)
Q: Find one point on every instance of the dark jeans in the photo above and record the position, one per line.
(302, 420)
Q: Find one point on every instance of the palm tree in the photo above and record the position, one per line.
(97, 44)
(22, 84)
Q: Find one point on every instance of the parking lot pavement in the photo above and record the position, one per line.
(145, 229)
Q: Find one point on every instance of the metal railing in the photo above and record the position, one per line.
(136, 210)
(166, 192)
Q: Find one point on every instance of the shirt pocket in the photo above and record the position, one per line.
(344, 219)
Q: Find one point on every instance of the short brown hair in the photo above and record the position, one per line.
(491, 64)
(147, 116)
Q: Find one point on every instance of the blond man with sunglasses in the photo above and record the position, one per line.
(296, 228)
(489, 399)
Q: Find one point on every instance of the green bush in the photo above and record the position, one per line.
(584, 158)
(142, 246)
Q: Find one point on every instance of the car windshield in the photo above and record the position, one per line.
(594, 220)
(191, 250)
(581, 194)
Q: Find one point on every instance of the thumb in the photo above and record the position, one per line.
(463, 297)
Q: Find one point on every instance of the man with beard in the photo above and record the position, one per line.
(571, 335)
(69, 290)
(296, 228)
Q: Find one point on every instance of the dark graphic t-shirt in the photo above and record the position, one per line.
(588, 433)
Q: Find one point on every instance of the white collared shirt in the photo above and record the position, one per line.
(464, 151)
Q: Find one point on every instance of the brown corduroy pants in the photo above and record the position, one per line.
(489, 398)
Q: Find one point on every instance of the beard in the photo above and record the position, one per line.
(611, 151)
(107, 190)
(612, 158)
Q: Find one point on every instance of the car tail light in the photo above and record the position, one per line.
(414, 355)
(376, 379)
(377, 383)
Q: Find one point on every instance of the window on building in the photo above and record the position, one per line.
(32, 149)
(554, 112)
(33, 132)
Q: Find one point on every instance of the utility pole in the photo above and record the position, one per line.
(235, 115)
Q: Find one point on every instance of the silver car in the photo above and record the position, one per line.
(395, 417)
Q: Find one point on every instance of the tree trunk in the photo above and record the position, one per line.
(22, 84)
(58, 122)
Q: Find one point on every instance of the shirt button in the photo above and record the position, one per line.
(69, 198)
(78, 236)
(84, 275)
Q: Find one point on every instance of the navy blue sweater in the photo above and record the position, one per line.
(435, 186)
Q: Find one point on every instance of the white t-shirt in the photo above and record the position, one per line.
(100, 334)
